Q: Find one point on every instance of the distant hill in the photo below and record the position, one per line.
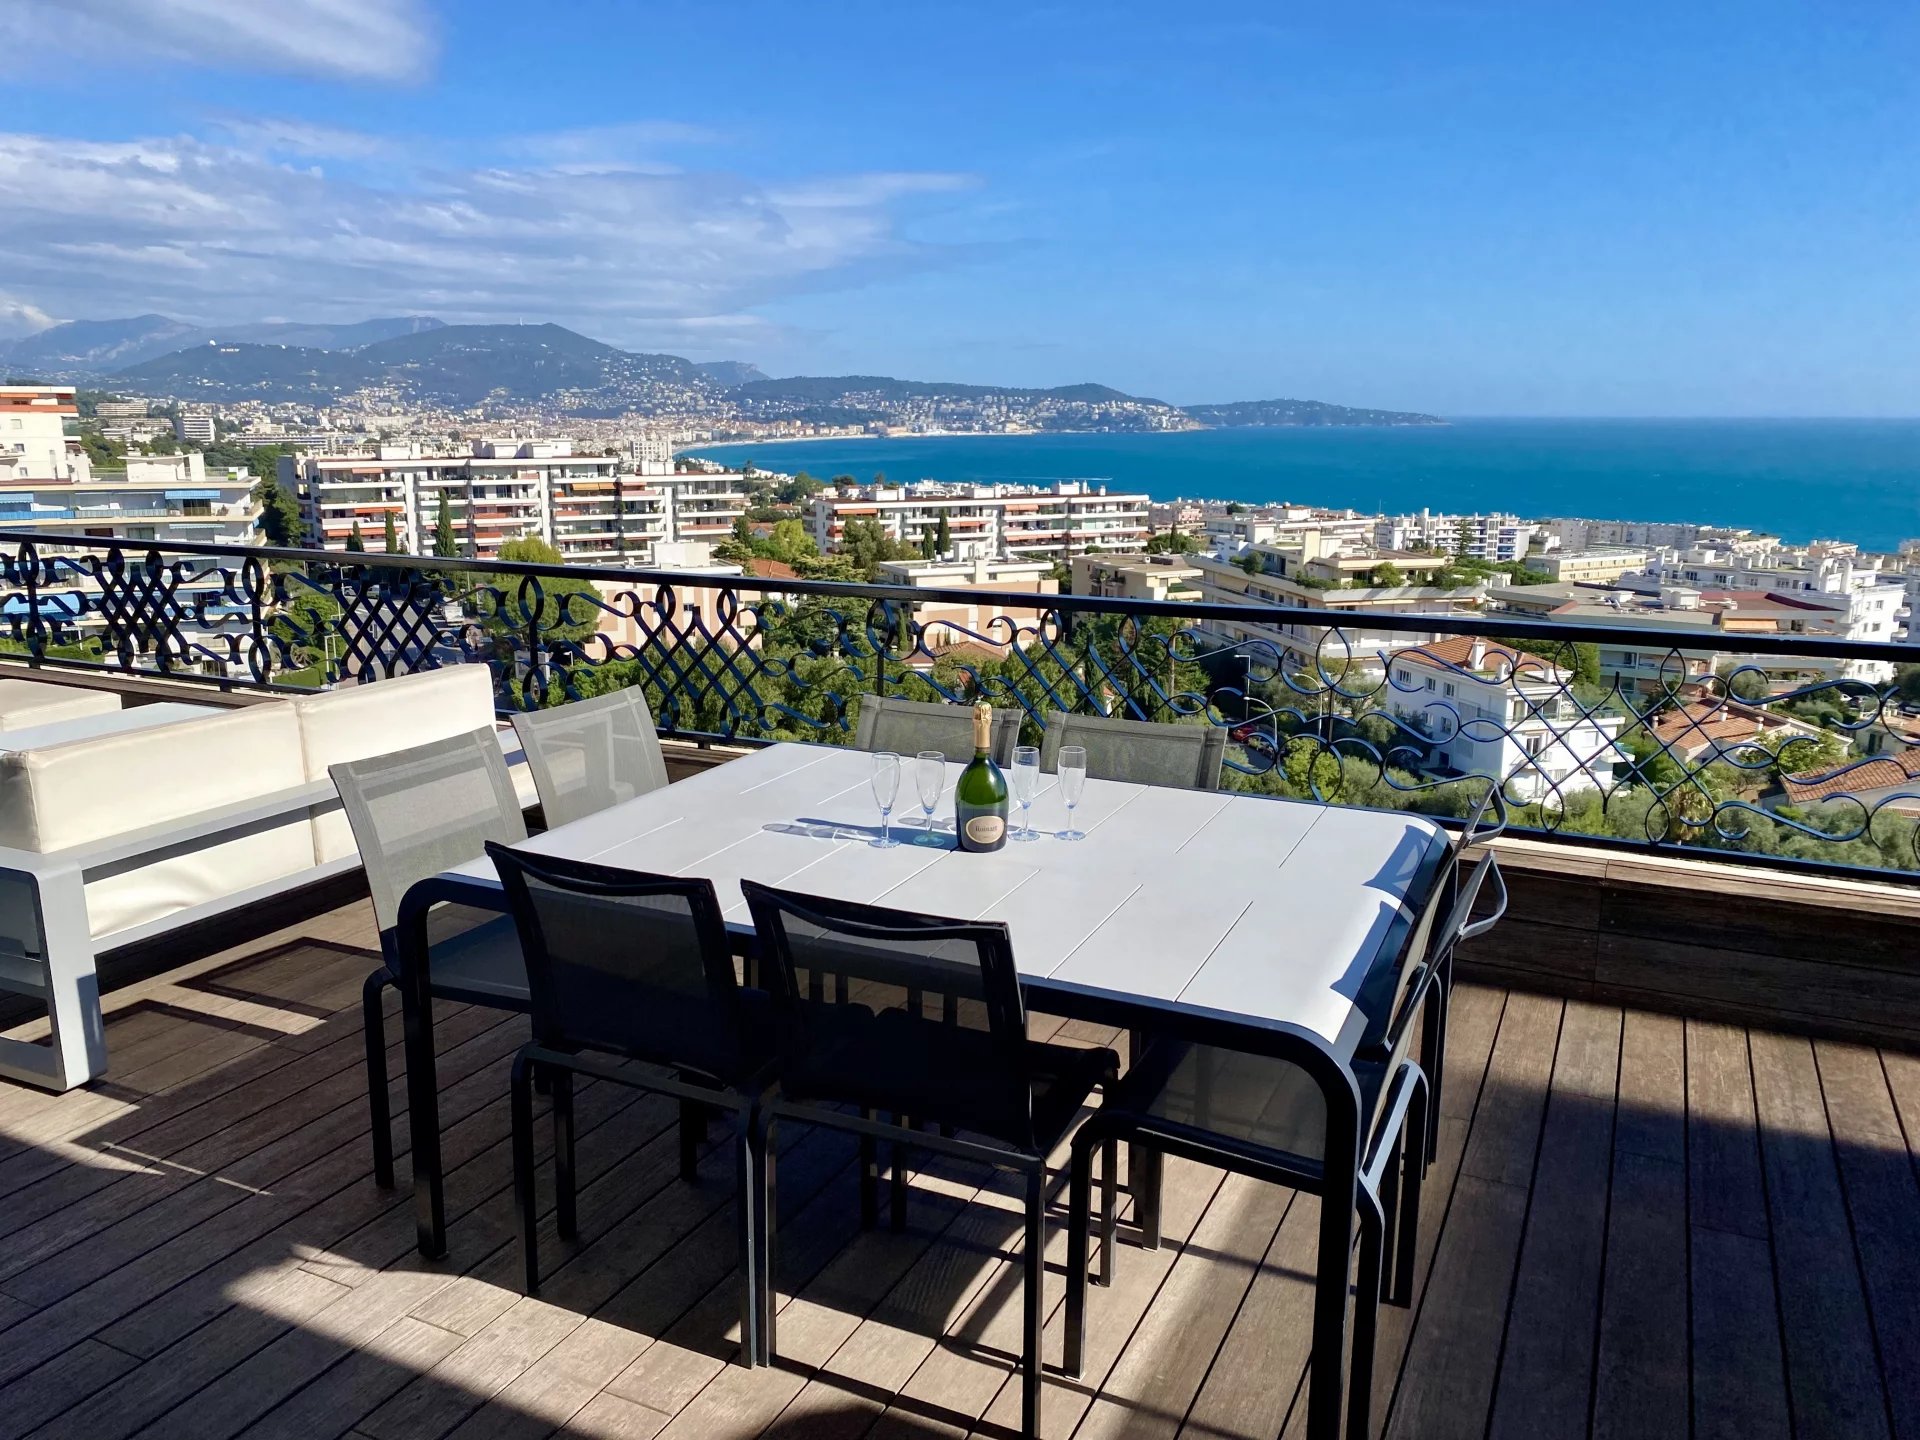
(732, 372)
(1300, 412)
(217, 372)
(84, 348)
(825, 389)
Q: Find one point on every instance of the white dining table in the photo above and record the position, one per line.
(1176, 899)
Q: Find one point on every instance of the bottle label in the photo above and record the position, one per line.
(986, 829)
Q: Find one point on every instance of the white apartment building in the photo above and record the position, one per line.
(160, 498)
(1494, 538)
(197, 428)
(1573, 533)
(33, 434)
(989, 522)
(1590, 567)
(1857, 600)
(1322, 532)
(1501, 712)
(591, 508)
(949, 625)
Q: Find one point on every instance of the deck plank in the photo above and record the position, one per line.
(1641, 1384)
(1546, 1370)
(1739, 1369)
(1833, 1368)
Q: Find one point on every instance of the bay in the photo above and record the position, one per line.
(1855, 480)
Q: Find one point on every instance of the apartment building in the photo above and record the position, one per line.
(33, 434)
(591, 508)
(1137, 577)
(1494, 538)
(990, 522)
(199, 429)
(1589, 567)
(947, 625)
(1183, 515)
(1493, 710)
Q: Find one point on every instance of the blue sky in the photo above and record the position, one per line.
(1510, 207)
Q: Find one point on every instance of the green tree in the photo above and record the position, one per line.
(445, 544)
(942, 536)
(1249, 562)
(163, 444)
(389, 534)
(559, 614)
(1174, 542)
(356, 542)
(280, 519)
(928, 549)
(1907, 684)
(1387, 575)
(1234, 507)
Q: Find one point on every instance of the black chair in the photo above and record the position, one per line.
(627, 967)
(1265, 1115)
(975, 1074)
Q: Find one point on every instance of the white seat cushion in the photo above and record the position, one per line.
(31, 702)
(358, 721)
(87, 790)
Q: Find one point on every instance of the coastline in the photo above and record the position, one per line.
(1849, 480)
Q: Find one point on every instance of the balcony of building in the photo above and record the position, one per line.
(1675, 1192)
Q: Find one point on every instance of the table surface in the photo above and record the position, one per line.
(107, 722)
(1263, 909)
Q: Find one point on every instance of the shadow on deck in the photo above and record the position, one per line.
(1639, 1226)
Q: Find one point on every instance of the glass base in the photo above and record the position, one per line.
(1071, 835)
(886, 842)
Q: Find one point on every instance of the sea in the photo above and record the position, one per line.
(1802, 480)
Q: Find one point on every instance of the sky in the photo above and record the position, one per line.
(1467, 207)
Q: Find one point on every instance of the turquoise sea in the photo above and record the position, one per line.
(1853, 480)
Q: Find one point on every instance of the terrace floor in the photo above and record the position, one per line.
(1640, 1226)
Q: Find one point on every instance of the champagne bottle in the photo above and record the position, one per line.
(980, 799)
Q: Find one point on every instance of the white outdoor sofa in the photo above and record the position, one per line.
(109, 840)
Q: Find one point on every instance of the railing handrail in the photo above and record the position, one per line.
(1396, 622)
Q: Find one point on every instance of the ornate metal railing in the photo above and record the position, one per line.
(1789, 750)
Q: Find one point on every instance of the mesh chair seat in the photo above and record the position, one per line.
(1251, 1103)
(592, 754)
(910, 726)
(483, 964)
(1144, 752)
(919, 1067)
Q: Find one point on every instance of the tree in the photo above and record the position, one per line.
(1174, 542)
(1234, 507)
(390, 535)
(1249, 562)
(280, 519)
(356, 542)
(559, 615)
(163, 444)
(1387, 575)
(928, 549)
(445, 544)
(865, 544)
(942, 536)
(1907, 684)
(879, 478)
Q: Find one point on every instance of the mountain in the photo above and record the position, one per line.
(1299, 412)
(732, 372)
(85, 345)
(85, 348)
(827, 389)
(216, 372)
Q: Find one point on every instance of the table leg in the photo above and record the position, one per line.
(1327, 1367)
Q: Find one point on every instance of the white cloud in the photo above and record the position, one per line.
(352, 39)
(225, 231)
(18, 318)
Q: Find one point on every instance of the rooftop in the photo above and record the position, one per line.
(1634, 1218)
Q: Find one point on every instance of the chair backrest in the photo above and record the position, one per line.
(971, 1062)
(907, 727)
(591, 755)
(629, 963)
(1142, 751)
(426, 809)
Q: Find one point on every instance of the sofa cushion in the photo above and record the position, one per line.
(358, 721)
(86, 790)
(33, 702)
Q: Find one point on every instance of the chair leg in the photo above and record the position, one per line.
(1035, 1298)
(379, 1113)
(769, 1193)
(749, 1191)
(898, 1213)
(1146, 1195)
(1366, 1314)
(869, 1178)
(520, 1100)
(564, 1212)
(1079, 1222)
(692, 1123)
(1109, 1195)
(1407, 1229)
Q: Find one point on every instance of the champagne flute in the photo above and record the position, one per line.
(1026, 780)
(930, 778)
(1072, 768)
(886, 789)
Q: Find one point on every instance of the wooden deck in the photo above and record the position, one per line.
(1640, 1227)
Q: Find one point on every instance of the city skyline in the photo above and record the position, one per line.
(1468, 210)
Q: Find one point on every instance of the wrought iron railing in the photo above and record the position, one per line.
(1793, 750)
